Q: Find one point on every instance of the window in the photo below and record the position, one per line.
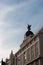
(36, 49)
(13, 60)
(37, 62)
(28, 54)
(32, 63)
(32, 52)
(30, 42)
(25, 55)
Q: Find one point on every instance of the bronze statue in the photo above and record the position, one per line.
(29, 27)
(29, 32)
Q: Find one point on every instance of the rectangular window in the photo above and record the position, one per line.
(36, 49)
(37, 62)
(32, 52)
(28, 54)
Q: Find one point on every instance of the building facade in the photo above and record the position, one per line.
(30, 52)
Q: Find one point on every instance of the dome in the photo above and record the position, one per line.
(28, 33)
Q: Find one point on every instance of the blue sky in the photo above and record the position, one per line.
(14, 17)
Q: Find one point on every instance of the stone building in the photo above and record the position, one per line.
(31, 50)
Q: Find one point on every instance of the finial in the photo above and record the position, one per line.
(2, 59)
(29, 27)
(11, 51)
